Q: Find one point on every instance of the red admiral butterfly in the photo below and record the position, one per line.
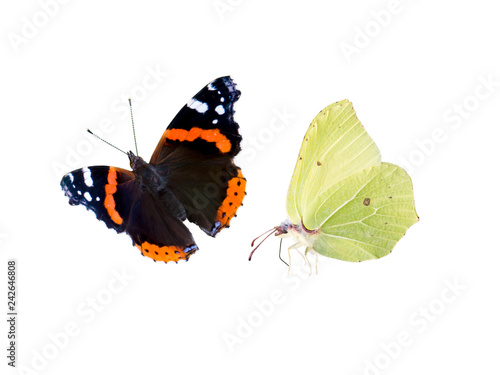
(191, 175)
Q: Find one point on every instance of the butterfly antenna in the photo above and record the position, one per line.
(106, 142)
(133, 127)
(267, 231)
(265, 238)
(281, 240)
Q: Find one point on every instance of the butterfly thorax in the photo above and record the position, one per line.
(146, 174)
(154, 182)
(299, 232)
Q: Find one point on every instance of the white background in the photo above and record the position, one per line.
(418, 74)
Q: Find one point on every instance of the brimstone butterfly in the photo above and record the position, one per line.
(343, 202)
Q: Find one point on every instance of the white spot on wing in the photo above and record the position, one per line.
(79, 192)
(71, 178)
(97, 199)
(211, 87)
(87, 196)
(199, 106)
(215, 121)
(87, 177)
(222, 99)
(220, 109)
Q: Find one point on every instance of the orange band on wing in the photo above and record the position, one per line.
(235, 194)
(210, 135)
(166, 253)
(109, 200)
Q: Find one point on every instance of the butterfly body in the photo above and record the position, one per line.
(147, 175)
(153, 181)
(191, 175)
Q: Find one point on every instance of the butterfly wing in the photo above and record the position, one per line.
(155, 231)
(196, 151)
(94, 187)
(115, 196)
(335, 147)
(363, 216)
(205, 123)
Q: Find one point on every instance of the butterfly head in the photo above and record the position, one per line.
(302, 235)
(136, 162)
(284, 228)
(281, 230)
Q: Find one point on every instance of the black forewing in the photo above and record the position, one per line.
(196, 154)
(211, 108)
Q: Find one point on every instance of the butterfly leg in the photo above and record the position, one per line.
(289, 259)
(307, 261)
(315, 261)
(303, 256)
(296, 245)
